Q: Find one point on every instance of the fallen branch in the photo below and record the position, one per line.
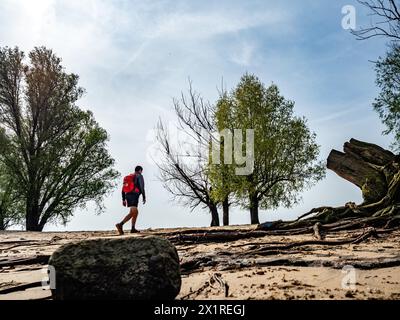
(21, 287)
(40, 259)
(354, 240)
(315, 210)
(216, 236)
(198, 291)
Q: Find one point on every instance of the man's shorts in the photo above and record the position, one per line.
(132, 199)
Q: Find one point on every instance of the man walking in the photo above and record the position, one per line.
(133, 187)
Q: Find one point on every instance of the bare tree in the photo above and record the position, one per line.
(386, 14)
(184, 165)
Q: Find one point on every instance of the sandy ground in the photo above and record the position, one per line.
(331, 272)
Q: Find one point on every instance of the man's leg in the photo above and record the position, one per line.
(135, 213)
(126, 219)
(129, 216)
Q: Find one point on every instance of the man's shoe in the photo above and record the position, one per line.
(134, 231)
(119, 228)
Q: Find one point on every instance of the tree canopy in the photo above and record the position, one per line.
(285, 150)
(273, 155)
(54, 152)
(387, 104)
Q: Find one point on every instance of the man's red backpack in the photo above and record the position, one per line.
(129, 184)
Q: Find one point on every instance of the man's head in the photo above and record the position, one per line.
(138, 169)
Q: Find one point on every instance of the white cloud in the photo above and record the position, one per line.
(204, 25)
(244, 55)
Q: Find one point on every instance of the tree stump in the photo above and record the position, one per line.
(376, 172)
(368, 166)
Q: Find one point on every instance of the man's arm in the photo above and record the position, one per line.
(123, 198)
(141, 187)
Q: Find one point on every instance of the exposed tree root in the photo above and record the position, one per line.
(40, 259)
(200, 231)
(255, 255)
(212, 236)
(21, 287)
(353, 240)
(236, 263)
(374, 170)
(215, 278)
(315, 228)
(317, 231)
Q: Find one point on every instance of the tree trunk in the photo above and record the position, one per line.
(32, 223)
(225, 209)
(214, 215)
(254, 209)
(2, 223)
(368, 166)
(32, 216)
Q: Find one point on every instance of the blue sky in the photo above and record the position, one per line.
(133, 57)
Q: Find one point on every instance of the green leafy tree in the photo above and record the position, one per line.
(222, 175)
(56, 152)
(387, 104)
(285, 151)
(385, 23)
